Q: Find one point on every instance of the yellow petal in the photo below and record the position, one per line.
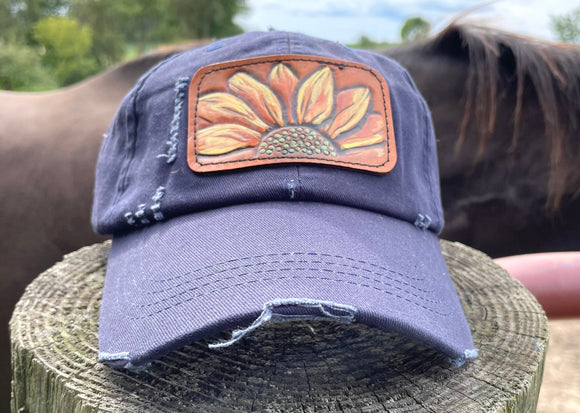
(224, 138)
(351, 107)
(222, 107)
(283, 81)
(374, 131)
(259, 96)
(315, 97)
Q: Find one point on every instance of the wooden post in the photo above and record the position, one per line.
(303, 367)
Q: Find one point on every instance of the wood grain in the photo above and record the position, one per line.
(297, 367)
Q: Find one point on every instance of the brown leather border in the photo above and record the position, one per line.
(201, 163)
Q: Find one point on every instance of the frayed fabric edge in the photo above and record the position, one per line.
(328, 310)
(117, 359)
(180, 96)
(467, 354)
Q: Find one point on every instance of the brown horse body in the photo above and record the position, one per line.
(503, 192)
(49, 146)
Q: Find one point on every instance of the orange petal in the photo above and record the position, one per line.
(369, 152)
(351, 107)
(222, 107)
(315, 97)
(224, 138)
(259, 96)
(283, 81)
(374, 131)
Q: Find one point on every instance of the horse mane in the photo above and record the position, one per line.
(551, 70)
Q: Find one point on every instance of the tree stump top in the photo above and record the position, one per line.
(299, 366)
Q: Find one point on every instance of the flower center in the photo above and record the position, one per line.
(295, 140)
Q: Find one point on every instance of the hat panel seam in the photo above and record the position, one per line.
(280, 40)
(434, 173)
(132, 140)
(129, 115)
(424, 219)
(300, 40)
(426, 154)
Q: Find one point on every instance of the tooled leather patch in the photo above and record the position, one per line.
(289, 109)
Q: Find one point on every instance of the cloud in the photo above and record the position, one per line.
(387, 10)
(346, 20)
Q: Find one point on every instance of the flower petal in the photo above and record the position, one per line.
(366, 152)
(238, 155)
(259, 96)
(374, 131)
(222, 107)
(224, 138)
(315, 98)
(351, 107)
(283, 81)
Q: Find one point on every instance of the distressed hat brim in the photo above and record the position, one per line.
(236, 267)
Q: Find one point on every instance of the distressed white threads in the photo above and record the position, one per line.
(180, 89)
(156, 207)
(423, 221)
(329, 311)
(140, 217)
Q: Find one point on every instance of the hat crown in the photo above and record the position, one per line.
(143, 174)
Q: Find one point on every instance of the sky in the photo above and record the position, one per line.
(381, 20)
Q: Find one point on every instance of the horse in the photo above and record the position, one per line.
(49, 143)
(505, 110)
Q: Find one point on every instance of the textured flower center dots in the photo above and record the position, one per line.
(296, 140)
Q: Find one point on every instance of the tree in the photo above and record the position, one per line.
(106, 19)
(19, 16)
(567, 26)
(145, 24)
(206, 18)
(365, 42)
(67, 48)
(77, 38)
(21, 69)
(415, 28)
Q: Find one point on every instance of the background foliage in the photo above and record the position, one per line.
(414, 29)
(53, 43)
(46, 44)
(567, 26)
(21, 69)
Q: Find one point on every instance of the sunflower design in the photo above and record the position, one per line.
(282, 115)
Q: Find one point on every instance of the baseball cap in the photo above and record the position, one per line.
(271, 177)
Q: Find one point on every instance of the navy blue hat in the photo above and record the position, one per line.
(271, 177)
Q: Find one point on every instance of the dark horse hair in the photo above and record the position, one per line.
(550, 70)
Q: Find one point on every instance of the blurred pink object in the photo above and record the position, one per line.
(554, 278)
